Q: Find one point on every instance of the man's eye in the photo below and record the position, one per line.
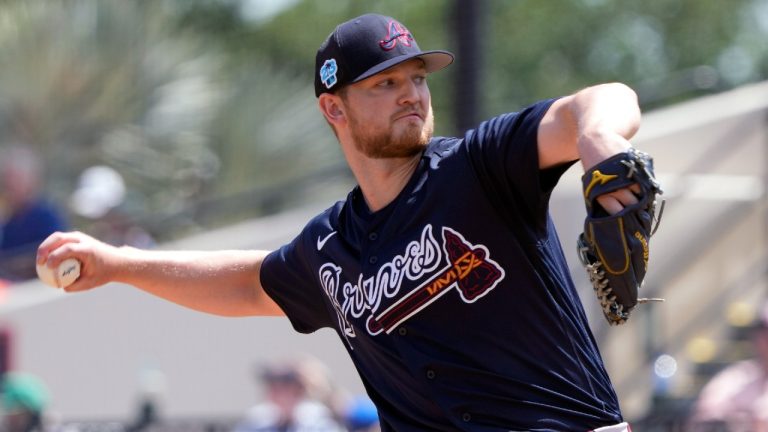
(386, 83)
(420, 79)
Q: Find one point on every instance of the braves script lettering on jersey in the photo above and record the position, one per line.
(467, 267)
(454, 301)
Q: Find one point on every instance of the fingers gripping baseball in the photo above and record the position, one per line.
(98, 261)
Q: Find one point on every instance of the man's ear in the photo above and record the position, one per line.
(332, 108)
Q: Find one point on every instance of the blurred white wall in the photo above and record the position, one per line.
(94, 349)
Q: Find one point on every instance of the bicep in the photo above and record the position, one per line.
(557, 135)
(263, 303)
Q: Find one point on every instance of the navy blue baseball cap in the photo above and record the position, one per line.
(365, 46)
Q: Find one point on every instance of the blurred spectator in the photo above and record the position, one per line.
(23, 400)
(152, 392)
(26, 218)
(294, 394)
(99, 195)
(736, 399)
(361, 415)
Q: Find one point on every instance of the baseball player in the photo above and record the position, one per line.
(441, 271)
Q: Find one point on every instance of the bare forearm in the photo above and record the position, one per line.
(606, 116)
(221, 282)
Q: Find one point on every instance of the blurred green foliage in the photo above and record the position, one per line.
(201, 101)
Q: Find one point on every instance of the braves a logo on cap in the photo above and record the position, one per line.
(328, 73)
(395, 32)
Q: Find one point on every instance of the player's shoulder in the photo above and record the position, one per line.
(441, 143)
(320, 228)
(326, 220)
(441, 147)
(528, 117)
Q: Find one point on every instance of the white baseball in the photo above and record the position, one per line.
(67, 272)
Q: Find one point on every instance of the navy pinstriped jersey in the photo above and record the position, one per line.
(454, 301)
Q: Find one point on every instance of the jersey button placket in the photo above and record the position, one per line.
(431, 374)
(373, 236)
(402, 331)
(466, 417)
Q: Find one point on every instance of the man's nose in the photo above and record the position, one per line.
(410, 93)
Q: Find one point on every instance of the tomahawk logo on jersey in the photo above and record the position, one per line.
(465, 266)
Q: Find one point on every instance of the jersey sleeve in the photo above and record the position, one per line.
(504, 154)
(287, 277)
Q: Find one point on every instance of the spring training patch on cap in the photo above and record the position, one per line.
(328, 73)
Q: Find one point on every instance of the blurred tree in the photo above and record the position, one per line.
(667, 49)
(290, 39)
(115, 83)
(89, 83)
(192, 100)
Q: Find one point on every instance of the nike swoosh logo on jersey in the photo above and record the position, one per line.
(321, 242)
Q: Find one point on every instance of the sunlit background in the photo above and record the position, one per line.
(193, 123)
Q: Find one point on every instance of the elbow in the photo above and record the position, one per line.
(630, 100)
(620, 87)
(612, 106)
(623, 94)
(617, 90)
